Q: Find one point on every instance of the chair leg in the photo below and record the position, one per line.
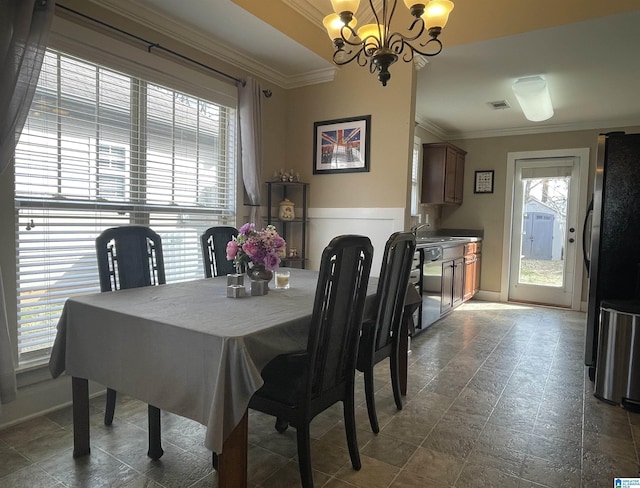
(350, 429)
(281, 425)
(371, 401)
(110, 407)
(155, 445)
(304, 455)
(395, 380)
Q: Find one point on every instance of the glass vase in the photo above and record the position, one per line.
(259, 272)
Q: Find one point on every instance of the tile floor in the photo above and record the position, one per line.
(498, 396)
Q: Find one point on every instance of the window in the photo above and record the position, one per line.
(415, 179)
(111, 171)
(100, 149)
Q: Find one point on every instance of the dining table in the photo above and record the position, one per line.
(185, 348)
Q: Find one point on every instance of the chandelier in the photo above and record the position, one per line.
(376, 44)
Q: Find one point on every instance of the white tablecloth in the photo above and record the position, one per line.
(185, 347)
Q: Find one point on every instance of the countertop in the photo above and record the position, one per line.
(444, 241)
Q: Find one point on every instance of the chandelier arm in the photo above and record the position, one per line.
(370, 44)
(363, 59)
(397, 42)
(387, 20)
(434, 40)
(409, 55)
(375, 14)
(350, 56)
(387, 16)
(420, 32)
(346, 38)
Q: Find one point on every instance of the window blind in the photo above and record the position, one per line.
(99, 149)
(415, 164)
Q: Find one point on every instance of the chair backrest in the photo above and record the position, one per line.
(392, 286)
(337, 312)
(214, 250)
(129, 256)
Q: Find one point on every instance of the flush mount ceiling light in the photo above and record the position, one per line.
(376, 45)
(533, 96)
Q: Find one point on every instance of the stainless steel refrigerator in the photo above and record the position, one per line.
(613, 259)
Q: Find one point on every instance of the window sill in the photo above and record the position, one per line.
(32, 374)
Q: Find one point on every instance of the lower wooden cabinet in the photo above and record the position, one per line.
(472, 260)
(452, 284)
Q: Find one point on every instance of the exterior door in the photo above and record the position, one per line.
(544, 239)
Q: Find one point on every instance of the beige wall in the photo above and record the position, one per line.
(486, 211)
(355, 92)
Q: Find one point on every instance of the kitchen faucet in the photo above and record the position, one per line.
(415, 230)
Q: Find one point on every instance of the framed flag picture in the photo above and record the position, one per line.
(341, 145)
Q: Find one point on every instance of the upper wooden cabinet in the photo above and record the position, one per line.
(442, 173)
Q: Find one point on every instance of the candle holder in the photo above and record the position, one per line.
(235, 279)
(259, 287)
(236, 291)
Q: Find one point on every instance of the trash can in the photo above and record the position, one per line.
(618, 360)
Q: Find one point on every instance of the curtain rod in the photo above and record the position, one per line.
(152, 45)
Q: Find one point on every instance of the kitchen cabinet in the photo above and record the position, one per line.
(452, 284)
(442, 173)
(472, 260)
(293, 231)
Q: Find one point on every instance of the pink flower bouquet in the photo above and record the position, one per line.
(260, 247)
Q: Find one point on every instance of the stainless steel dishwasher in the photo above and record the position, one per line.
(431, 285)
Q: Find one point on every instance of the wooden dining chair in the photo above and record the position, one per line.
(380, 337)
(131, 256)
(298, 386)
(214, 250)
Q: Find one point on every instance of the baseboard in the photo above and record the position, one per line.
(487, 296)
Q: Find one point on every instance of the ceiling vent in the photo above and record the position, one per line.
(499, 104)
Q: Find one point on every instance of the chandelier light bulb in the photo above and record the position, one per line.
(437, 13)
(340, 6)
(367, 31)
(333, 23)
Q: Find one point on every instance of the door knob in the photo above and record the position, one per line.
(571, 229)
(571, 239)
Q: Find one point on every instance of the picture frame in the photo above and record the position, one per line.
(341, 145)
(483, 181)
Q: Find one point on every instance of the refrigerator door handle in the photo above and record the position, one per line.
(585, 253)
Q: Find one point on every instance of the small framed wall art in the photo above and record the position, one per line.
(483, 182)
(341, 145)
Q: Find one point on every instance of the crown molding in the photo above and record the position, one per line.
(545, 129)
(312, 78)
(432, 128)
(199, 40)
(309, 10)
(520, 131)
